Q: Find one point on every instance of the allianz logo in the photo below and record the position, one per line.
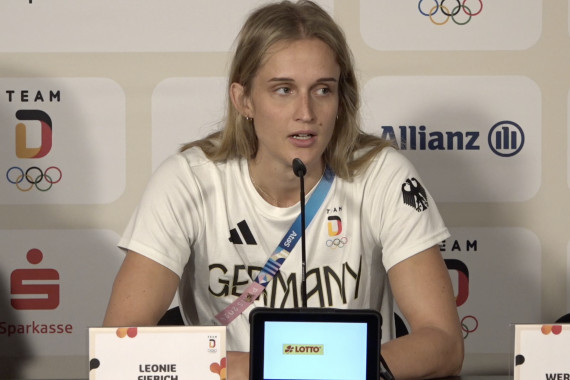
(505, 138)
(303, 349)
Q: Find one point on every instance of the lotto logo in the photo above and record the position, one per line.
(303, 349)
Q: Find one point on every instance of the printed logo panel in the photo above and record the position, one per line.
(451, 24)
(568, 278)
(481, 261)
(184, 110)
(473, 139)
(62, 140)
(131, 26)
(52, 294)
(568, 140)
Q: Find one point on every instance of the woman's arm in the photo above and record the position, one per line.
(424, 293)
(142, 292)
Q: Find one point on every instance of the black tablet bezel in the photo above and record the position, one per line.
(259, 316)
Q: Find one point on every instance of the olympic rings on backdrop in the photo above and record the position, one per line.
(34, 176)
(430, 13)
(435, 22)
(470, 13)
(337, 243)
(466, 329)
(454, 12)
(465, 22)
(446, 12)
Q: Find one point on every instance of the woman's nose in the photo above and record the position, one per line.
(304, 111)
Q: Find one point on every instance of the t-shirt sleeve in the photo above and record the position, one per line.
(163, 225)
(403, 215)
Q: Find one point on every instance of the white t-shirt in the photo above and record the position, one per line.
(206, 222)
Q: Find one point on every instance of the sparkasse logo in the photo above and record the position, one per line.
(303, 349)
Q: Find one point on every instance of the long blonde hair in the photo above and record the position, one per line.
(287, 21)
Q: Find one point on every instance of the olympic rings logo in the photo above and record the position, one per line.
(337, 242)
(466, 15)
(469, 324)
(34, 177)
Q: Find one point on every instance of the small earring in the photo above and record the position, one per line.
(247, 118)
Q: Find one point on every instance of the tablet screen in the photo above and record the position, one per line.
(298, 345)
(314, 350)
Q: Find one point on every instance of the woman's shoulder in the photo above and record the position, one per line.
(190, 159)
(194, 156)
(183, 165)
(388, 157)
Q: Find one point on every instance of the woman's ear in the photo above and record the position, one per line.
(240, 100)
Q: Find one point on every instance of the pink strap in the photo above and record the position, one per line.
(251, 293)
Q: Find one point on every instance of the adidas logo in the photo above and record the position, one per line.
(246, 234)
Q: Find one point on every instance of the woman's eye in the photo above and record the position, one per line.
(283, 90)
(324, 91)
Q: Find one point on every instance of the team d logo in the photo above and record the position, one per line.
(303, 349)
(22, 149)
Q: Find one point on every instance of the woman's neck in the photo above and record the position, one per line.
(279, 186)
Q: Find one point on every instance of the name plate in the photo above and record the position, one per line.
(542, 352)
(157, 353)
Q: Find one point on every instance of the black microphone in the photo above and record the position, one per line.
(300, 170)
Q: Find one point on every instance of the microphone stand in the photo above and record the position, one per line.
(300, 170)
(303, 245)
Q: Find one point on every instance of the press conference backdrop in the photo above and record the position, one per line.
(95, 94)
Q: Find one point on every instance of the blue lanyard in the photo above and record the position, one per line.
(293, 236)
(271, 267)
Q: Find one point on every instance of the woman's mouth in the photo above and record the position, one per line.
(302, 136)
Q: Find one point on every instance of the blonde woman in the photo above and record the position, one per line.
(213, 213)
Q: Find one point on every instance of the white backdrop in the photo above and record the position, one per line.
(95, 94)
